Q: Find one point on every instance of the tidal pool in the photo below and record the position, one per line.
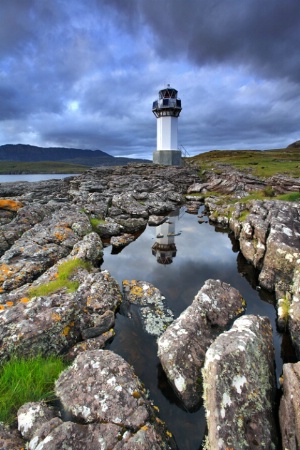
(178, 258)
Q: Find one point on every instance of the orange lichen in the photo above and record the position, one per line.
(144, 428)
(62, 233)
(136, 290)
(2, 307)
(24, 300)
(10, 205)
(55, 317)
(168, 433)
(9, 304)
(136, 394)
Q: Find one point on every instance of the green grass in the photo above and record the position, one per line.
(63, 280)
(13, 167)
(290, 197)
(27, 380)
(260, 163)
(95, 222)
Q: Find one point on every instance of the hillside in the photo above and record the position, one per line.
(261, 163)
(30, 153)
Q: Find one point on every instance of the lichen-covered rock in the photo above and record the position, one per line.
(45, 325)
(55, 323)
(40, 247)
(89, 249)
(32, 416)
(239, 387)
(182, 347)
(95, 343)
(289, 412)
(75, 436)
(100, 292)
(155, 316)
(292, 311)
(100, 387)
(10, 438)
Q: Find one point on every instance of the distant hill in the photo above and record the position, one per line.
(32, 153)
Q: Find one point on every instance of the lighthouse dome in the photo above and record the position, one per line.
(167, 104)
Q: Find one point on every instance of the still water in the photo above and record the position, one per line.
(33, 177)
(201, 252)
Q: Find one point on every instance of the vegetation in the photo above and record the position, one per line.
(55, 167)
(27, 380)
(260, 163)
(290, 197)
(63, 279)
(95, 222)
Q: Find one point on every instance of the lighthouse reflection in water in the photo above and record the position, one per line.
(164, 248)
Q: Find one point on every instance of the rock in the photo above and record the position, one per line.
(99, 292)
(182, 348)
(101, 389)
(103, 324)
(155, 316)
(96, 343)
(156, 220)
(55, 323)
(41, 247)
(32, 416)
(239, 387)
(122, 241)
(292, 311)
(289, 413)
(10, 438)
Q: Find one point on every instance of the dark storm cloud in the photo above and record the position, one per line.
(264, 36)
(84, 74)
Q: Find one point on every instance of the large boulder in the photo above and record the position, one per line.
(182, 347)
(239, 387)
(289, 412)
(101, 388)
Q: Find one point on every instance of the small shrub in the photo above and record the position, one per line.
(27, 380)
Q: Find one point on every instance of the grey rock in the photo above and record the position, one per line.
(101, 388)
(182, 348)
(10, 438)
(103, 324)
(122, 241)
(289, 413)
(32, 416)
(239, 387)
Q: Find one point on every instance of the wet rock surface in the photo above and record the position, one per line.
(239, 387)
(182, 348)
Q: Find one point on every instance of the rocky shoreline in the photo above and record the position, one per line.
(213, 352)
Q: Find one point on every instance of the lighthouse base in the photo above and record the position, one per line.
(167, 157)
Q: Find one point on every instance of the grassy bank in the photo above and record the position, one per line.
(14, 167)
(27, 380)
(264, 163)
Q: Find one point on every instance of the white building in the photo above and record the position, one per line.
(166, 110)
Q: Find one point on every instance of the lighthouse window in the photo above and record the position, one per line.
(165, 101)
(178, 103)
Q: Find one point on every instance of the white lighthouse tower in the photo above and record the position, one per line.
(166, 110)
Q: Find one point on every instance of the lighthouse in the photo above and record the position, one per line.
(166, 110)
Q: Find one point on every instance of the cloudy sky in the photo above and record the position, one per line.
(84, 73)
